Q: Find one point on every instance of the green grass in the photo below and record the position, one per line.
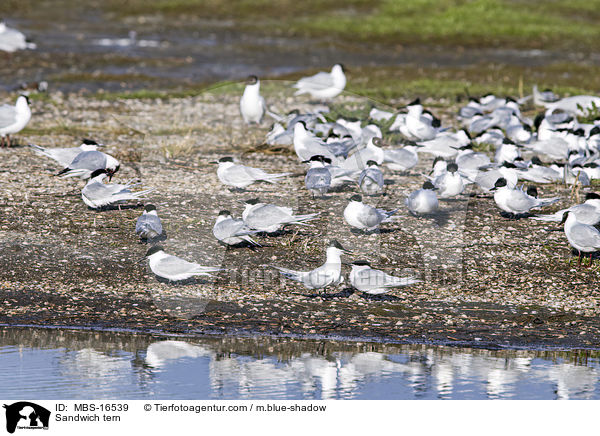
(497, 23)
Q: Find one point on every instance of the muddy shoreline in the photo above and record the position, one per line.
(487, 282)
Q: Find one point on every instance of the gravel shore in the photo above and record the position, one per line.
(486, 280)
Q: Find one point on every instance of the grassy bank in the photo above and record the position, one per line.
(472, 23)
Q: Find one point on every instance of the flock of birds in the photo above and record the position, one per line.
(352, 152)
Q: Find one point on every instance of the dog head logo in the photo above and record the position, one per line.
(26, 415)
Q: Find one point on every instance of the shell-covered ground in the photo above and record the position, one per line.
(485, 280)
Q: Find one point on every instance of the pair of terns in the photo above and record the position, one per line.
(362, 277)
(323, 85)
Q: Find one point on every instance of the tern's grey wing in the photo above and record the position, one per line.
(585, 235)
(268, 215)
(373, 174)
(96, 191)
(369, 278)
(400, 156)
(321, 80)
(89, 160)
(8, 115)
(172, 266)
(231, 228)
(586, 214)
(521, 202)
(317, 178)
(149, 221)
(370, 216)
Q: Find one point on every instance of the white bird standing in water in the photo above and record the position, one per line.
(252, 104)
(373, 281)
(323, 85)
(330, 273)
(13, 118)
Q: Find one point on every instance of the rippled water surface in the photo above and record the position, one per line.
(53, 364)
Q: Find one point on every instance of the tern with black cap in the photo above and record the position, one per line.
(252, 104)
(371, 179)
(516, 201)
(270, 218)
(231, 231)
(97, 194)
(364, 217)
(328, 274)
(240, 176)
(373, 281)
(423, 201)
(86, 162)
(583, 237)
(175, 268)
(586, 213)
(148, 225)
(65, 155)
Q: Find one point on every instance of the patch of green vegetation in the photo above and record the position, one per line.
(469, 23)
(590, 114)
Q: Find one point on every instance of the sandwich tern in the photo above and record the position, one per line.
(12, 40)
(173, 268)
(364, 217)
(252, 104)
(307, 145)
(231, 231)
(583, 237)
(401, 159)
(330, 273)
(423, 201)
(270, 218)
(449, 184)
(516, 201)
(148, 225)
(318, 178)
(64, 156)
(323, 85)
(587, 212)
(86, 162)
(97, 194)
(241, 176)
(373, 281)
(358, 160)
(13, 118)
(371, 179)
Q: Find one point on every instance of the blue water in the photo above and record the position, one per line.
(51, 364)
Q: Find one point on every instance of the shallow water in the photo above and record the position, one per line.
(82, 47)
(67, 364)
